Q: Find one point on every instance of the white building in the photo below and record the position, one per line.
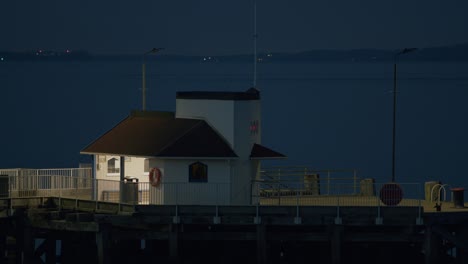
(207, 152)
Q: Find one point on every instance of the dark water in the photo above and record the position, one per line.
(322, 115)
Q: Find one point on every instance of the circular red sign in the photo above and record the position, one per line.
(391, 194)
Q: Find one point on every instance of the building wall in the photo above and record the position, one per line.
(247, 131)
(247, 114)
(239, 121)
(218, 113)
(176, 188)
(134, 167)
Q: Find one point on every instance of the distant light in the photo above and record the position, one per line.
(68, 51)
(1, 59)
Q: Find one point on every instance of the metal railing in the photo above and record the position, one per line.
(165, 193)
(297, 188)
(285, 177)
(43, 182)
(368, 194)
(279, 186)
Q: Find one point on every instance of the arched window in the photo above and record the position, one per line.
(113, 165)
(198, 172)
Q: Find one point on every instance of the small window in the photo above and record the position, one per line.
(113, 166)
(198, 172)
(146, 169)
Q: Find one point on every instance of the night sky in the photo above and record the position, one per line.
(214, 27)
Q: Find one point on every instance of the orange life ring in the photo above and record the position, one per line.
(155, 177)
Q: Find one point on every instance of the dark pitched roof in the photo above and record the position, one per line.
(261, 152)
(160, 134)
(250, 94)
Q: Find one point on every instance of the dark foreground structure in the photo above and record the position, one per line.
(59, 230)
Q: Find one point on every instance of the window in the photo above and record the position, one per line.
(146, 169)
(113, 166)
(198, 172)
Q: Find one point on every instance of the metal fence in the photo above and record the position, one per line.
(368, 193)
(324, 181)
(291, 186)
(44, 182)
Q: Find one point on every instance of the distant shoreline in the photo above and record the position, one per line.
(457, 53)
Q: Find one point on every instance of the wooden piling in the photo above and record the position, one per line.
(462, 253)
(261, 244)
(174, 243)
(432, 246)
(50, 247)
(336, 243)
(2, 248)
(103, 245)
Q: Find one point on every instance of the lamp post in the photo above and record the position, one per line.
(404, 51)
(143, 75)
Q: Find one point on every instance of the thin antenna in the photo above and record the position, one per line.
(255, 45)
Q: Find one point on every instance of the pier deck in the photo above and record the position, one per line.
(321, 224)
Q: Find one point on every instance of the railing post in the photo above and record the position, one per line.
(328, 182)
(217, 194)
(96, 189)
(257, 218)
(379, 219)
(419, 220)
(338, 220)
(176, 218)
(60, 192)
(76, 196)
(177, 194)
(36, 185)
(96, 193)
(216, 218)
(297, 219)
(304, 178)
(279, 192)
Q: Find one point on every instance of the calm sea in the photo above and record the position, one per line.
(321, 115)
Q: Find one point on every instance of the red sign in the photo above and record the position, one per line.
(391, 194)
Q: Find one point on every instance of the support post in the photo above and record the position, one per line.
(261, 245)
(431, 247)
(462, 253)
(336, 242)
(103, 245)
(174, 243)
(24, 239)
(27, 246)
(2, 248)
(50, 247)
(122, 179)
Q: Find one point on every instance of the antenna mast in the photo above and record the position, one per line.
(255, 45)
